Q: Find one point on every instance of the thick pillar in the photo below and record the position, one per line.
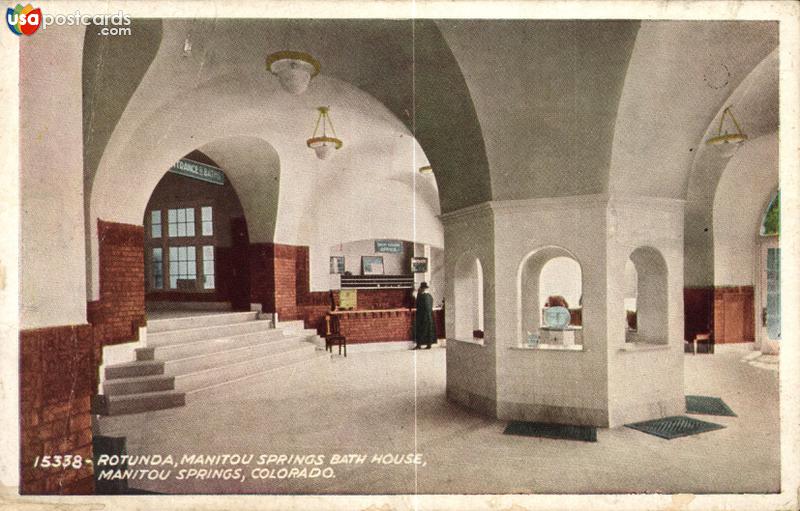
(57, 361)
(603, 379)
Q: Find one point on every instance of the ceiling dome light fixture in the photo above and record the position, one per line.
(294, 69)
(727, 142)
(427, 169)
(324, 145)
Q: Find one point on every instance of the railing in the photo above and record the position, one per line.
(376, 281)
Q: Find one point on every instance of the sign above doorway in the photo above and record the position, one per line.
(197, 170)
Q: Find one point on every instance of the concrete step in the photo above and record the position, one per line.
(134, 369)
(212, 376)
(186, 349)
(138, 385)
(230, 356)
(145, 402)
(291, 325)
(166, 324)
(318, 361)
(206, 332)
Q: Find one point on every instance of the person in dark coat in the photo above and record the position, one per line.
(424, 329)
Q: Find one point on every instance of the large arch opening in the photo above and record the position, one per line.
(195, 241)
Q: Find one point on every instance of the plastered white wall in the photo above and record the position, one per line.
(743, 193)
(53, 285)
(393, 263)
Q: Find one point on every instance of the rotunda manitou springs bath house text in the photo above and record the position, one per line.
(226, 224)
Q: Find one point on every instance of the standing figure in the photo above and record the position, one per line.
(424, 329)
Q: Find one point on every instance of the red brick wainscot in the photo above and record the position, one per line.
(119, 312)
(57, 380)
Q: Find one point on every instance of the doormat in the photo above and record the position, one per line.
(706, 405)
(546, 430)
(674, 427)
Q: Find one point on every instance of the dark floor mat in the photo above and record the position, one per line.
(707, 405)
(558, 431)
(674, 427)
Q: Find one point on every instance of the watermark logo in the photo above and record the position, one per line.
(27, 20)
(23, 20)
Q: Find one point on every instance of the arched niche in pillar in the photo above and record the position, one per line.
(631, 291)
(468, 296)
(652, 301)
(548, 274)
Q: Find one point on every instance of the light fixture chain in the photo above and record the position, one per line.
(331, 123)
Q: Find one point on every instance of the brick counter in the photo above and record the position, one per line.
(364, 326)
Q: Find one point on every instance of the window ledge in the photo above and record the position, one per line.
(643, 346)
(550, 347)
(479, 342)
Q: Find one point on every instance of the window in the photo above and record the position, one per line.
(337, 264)
(155, 223)
(773, 311)
(208, 266)
(157, 268)
(182, 265)
(181, 222)
(772, 218)
(207, 220)
(183, 257)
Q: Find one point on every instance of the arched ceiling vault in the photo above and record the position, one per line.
(405, 65)
(681, 75)
(546, 94)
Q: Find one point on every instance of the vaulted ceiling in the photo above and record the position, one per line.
(501, 109)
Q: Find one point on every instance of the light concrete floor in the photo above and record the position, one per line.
(374, 402)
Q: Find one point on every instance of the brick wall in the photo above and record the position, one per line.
(734, 319)
(728, 311)
(262, 275)
(377, 326)
(698, 307)
(119, 312)
(57, 380)
(384, 299)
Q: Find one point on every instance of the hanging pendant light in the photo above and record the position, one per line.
(294, 69)
(324, 146)
(727, 142)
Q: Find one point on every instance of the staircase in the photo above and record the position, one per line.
(186, 356)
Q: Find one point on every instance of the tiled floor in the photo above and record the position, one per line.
(384, 403)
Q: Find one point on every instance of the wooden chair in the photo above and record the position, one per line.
(704, 342)
(333, 336)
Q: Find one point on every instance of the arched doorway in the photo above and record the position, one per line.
(195, 237)
(768, 279)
